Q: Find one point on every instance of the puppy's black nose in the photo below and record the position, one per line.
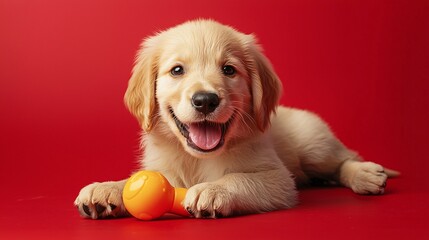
(205, 102)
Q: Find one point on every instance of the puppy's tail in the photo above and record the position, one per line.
(392, 173)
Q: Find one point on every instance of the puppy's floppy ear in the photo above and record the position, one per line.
(266, 86)
(140, 95)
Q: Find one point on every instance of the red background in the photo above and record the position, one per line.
(64, 65)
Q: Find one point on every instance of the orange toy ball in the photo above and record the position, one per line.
(148, 195)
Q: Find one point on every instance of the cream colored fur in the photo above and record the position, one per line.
(267, 149)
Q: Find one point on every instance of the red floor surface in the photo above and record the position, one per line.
(329, 213)
(64, 65)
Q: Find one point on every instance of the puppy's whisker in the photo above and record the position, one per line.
(244, 118)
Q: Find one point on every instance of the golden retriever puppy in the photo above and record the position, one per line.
(206, 99)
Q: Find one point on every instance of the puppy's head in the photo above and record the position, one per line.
(203, 83)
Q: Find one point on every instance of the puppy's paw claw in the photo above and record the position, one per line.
(368, 178)
(208, 200)
(100, 200)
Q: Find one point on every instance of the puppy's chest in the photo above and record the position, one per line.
(202, 170)
(180, 168)
(188, 172)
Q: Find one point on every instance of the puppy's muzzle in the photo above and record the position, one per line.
(203, 135)
(205, 102)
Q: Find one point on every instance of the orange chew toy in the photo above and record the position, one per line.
(148, 195)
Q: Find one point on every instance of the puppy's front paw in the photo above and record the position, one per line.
(208, 200)
(368, 178)
(101, 200)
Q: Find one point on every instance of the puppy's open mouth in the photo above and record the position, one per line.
(204, 136)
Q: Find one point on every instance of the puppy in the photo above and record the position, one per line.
(206, 99)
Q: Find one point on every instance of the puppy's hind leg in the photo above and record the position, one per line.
(321, 154)
(335, 162)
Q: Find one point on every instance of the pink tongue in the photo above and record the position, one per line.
(205, 136)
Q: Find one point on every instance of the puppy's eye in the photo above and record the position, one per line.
(228, 70)
(177, 71)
